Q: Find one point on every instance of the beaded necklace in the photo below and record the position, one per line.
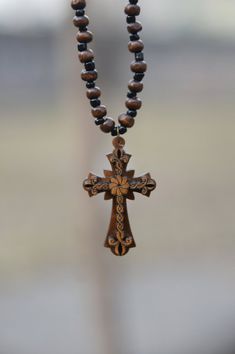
(118, 184)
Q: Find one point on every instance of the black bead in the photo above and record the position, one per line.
(82, 47)
(95, 102)
(138, 76)
(122, 130)
(83, 29)
(99, 121)
(130, 19)
(134, 37)
(131, 113)
(80, 13)
(114, 131)
(133, 2)
(139, 56)
(131, 94)
(90, 65)
(90, 84)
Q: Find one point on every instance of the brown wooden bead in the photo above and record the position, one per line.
(135, 46)
(99, 112)
(138, 66)
(134, 27)
(86, 55)
(93, 93)
(126, 120)
(89, 75)
(84, 37)
(132, 10)
(108, 125)
(133, 103)
(81, 21)
(78, 4)
(135, 86)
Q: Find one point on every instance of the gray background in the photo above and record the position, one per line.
(61, 292)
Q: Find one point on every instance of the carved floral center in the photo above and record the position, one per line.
(119, 185)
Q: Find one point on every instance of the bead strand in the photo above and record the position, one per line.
(89, 73)
(138, 66)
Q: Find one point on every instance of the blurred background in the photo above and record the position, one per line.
(61, 292)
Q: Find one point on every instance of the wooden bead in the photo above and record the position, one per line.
(138, 66)
(108, 125)
(78, 4)
(80, 21)
(126, 121)
(86, 56)
(99, 112)
(84, 37)
(89, 75)
(93, 93)
(132, 10)
(134, 27)
(135, 46)
(133, 103)
(135, 86)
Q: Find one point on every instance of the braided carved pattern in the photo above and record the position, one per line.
(119, 160)
(120, 245)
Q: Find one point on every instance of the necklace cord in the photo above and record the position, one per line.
(89, 73)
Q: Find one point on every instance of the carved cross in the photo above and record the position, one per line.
(119, 185)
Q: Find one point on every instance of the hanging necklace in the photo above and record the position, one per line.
(118, 184)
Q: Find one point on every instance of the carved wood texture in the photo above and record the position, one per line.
(119, 185)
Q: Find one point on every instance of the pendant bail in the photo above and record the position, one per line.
(118, 142)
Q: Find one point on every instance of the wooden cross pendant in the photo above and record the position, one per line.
(119, 185)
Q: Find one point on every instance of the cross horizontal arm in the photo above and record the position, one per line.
(144, 184)
(94, 184)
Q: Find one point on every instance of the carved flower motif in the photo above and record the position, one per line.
(119, 185)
